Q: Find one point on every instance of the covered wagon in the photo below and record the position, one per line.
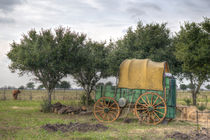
(145, 85)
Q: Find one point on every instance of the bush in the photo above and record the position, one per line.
(201, 107)
(45, 106)
(187, 101)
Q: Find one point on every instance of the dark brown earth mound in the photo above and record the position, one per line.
(203, 134)
(71, 127)
(63, 109)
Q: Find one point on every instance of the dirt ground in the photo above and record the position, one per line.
(71, 127)
(203, 134)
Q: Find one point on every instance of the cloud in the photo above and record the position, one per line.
(99, 19)
(6, 20)
(139, 9)
(8, 5)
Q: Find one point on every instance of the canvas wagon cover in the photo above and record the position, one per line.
(142, 74)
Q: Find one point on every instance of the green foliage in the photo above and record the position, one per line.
(65, 85)
(90, 66)
(201, 107)
(207, 87)
(21, 87)
(191, 86)
(83, 100)
(146, 41)
(46, 55)
(109, 83)
(45, 106)
(183, 87)
(30, 85)
(192, 50)
(40, 86)
(187, 101)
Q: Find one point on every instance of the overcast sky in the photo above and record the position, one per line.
(99, 19)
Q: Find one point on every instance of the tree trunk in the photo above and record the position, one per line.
(87, 98)
(194, 97)
(49, 97)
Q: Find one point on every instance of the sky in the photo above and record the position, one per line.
(100, 19)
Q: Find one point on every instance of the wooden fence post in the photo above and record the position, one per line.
(4, 97)
(197, 120)
(30, 97)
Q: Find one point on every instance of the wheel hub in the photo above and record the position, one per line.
(106, 110)
(150, 108)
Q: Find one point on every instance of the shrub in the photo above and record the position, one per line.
(187, 101)
(45, 106)
(201, 107)
(83, 100)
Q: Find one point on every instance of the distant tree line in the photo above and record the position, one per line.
(51, 56)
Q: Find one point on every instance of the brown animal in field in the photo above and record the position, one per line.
(15, 93)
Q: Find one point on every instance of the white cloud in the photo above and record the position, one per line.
(99, 19)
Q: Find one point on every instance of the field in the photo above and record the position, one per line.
(22, 119)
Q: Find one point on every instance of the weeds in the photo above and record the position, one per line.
(187, 101)
(45, 106)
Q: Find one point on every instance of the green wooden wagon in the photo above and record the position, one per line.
(145, 85)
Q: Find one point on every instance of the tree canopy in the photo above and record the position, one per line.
(65, 85)
(192, 50)
(46, 55)
(146, 41)
(30, 85)
(207, 87)
(91, 66)
(183, 87)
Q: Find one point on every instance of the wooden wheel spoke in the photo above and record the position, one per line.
(112, 104)
(101, 103)
(113, 108)
(106, 102)
(148, 100)
(144, 112)
(99, 107)
(114, 112)
(111, 115)
(158, 104)
(144, 101)
(159, 112)
(152, 117)
(99, 111)
(151, 99)
(109, 102)
(156, 115)
(141, 108)
(100, 114)
(142, 104)
(160, 108)
(155, 100)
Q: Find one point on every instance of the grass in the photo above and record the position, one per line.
(40, 94)
(22, 119)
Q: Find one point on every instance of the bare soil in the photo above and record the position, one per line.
(71, 127)
(203, 134)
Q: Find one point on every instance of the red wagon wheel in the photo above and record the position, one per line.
(150, 108)
(106, 109)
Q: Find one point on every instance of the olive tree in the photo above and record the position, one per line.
(47, 55)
